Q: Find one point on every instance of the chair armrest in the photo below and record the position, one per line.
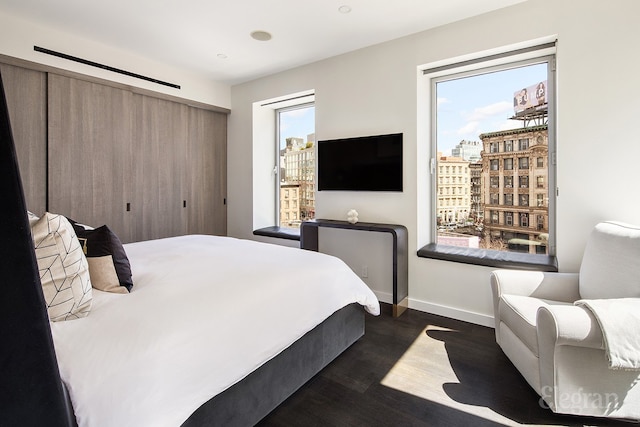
(553, 286)
(568, 325)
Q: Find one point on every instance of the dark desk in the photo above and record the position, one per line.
(309, 241)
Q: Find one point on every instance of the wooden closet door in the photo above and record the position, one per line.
(26, 92)
(90, 153)
(159, 140)
(206, 181)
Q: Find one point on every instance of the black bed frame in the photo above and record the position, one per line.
(31, 390)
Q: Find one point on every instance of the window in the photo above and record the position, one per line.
(296, 164)
(540, 200)
(508, 182)
(508, 145)
(508, 218)
(495, 218)
(523, 162)
(508, 164)
(507, 142)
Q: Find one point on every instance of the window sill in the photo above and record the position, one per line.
(490, 258)
(278, 232)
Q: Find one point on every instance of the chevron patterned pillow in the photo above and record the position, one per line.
(64, 272)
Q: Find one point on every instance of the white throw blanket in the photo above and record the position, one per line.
(619, 319)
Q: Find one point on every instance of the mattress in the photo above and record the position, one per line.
(204, 312)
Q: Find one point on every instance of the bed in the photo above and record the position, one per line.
(215, 330)
(204, 312)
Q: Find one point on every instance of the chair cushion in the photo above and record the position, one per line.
(610, 267)
(519, 314)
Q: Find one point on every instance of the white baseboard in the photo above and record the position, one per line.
(451, 312)
(441, 310)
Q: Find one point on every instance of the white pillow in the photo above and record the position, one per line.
(63, 268)
(611, 262)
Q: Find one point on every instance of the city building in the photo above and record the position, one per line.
(454, 190)
(468, 150)
(515, 189)
(476, 212)
(298, 165)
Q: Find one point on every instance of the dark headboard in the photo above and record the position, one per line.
(31, 392)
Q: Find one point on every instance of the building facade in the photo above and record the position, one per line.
(468, 150)
(515, 189)
(454, 190)
(298, 170)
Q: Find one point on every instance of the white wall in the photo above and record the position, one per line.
(18, 37)
(374, 90)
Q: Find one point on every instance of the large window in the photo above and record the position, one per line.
(296, 165)
(507, 112)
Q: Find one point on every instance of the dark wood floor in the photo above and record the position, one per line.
(420, 370)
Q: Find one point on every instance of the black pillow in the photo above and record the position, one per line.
(100, 242)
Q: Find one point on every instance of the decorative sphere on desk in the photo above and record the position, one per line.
(352, 216)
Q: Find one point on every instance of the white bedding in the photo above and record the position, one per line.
(204, 312)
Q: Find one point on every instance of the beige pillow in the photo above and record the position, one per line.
(63, 268)
(103, 275)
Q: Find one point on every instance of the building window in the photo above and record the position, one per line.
(508, 182)
(507, 147)
(508, 218)
(540, 200)
(539, 162)
(540, 219)
(508, 164)
(540, 182)
(523, 162)
(495, 217)
(296, 164)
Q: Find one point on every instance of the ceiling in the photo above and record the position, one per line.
(212, 37)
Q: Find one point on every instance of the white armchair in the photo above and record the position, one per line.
(558, 346)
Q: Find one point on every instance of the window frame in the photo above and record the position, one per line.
(522, 56)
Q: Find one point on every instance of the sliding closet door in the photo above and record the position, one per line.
(90, 153)
(26, 92)
(206, 180)
(159, 140)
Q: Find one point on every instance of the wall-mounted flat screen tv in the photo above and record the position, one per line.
(368, 163)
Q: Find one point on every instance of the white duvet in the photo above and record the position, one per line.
(204, 312)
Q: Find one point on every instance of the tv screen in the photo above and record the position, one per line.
(369, 163)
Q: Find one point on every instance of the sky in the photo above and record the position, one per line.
(296, 123)
(467, 107)
(473, 105)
